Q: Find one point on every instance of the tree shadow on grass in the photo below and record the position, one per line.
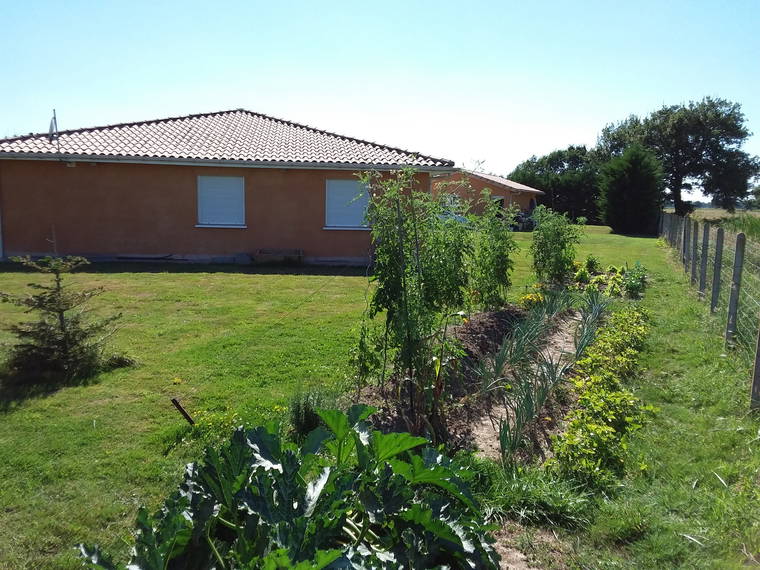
(16, 388)
(623, 234)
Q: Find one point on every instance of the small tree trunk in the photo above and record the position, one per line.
(62, 316)
(678, 203)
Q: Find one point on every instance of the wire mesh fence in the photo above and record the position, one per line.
(725, 268)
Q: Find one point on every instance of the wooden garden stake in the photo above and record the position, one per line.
(183, 411)
(736, 283)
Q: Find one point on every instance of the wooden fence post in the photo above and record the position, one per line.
(678, 235)
(736, 283)
(703, 264)
(754, 398)
(667, 227)
(686, 243)
(717, 266)
(694, 253)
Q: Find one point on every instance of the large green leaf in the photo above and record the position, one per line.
(423, 516)
(417, 473)
(314, 490)
(359, 412)
(389, 445)
(336, 421)
(314, 441)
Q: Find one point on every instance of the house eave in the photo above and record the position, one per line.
(217, 163)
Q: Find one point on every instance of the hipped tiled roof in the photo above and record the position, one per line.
(237, 136)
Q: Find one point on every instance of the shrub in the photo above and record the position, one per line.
(553, 245)
(592, 449)
(582, 275)
(303, 414)
(592, 264)
(61, 345)
(348, 497)
(631, 191)
(492, 262)
(634, 281)
(530, 300)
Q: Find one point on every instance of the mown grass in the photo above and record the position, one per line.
(75, 465)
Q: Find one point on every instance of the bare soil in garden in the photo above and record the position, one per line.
(559, 344)
(471, 418)
(479, 337)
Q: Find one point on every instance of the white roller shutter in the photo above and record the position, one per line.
(346, 203)
(221, 201)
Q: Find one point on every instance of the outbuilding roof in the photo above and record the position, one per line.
(225, 137)
(504, 182)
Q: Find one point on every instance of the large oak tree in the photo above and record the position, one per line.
(698, 144)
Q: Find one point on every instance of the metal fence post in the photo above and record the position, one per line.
(718, 265)
(736, 283)
(694, 245)
(703, 264)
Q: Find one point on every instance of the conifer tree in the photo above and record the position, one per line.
(62, 345)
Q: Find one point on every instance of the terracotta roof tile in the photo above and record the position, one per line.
(238, 135)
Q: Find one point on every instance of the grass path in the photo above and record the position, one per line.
(697, 502)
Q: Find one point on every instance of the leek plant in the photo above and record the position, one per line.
(593, 306)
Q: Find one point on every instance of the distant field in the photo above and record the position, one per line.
(747, 221)
(717, 213)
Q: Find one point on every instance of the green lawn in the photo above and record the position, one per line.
(76, 464)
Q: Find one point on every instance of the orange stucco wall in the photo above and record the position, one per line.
(105, 209)
(470, 188)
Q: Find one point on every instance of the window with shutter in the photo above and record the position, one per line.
(221, 201)
(346, 204)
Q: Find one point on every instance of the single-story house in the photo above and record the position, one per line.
(221, 186)
(469, 185)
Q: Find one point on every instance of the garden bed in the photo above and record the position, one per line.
(471, 417)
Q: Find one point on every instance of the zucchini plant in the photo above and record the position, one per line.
(348, 497)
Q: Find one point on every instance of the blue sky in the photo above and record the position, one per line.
(476, 82)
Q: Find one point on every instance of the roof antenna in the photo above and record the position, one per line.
(53, 132)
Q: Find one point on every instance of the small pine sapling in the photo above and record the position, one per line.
(62, 345)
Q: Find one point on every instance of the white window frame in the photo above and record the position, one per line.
(336, 226)
(199, 204)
